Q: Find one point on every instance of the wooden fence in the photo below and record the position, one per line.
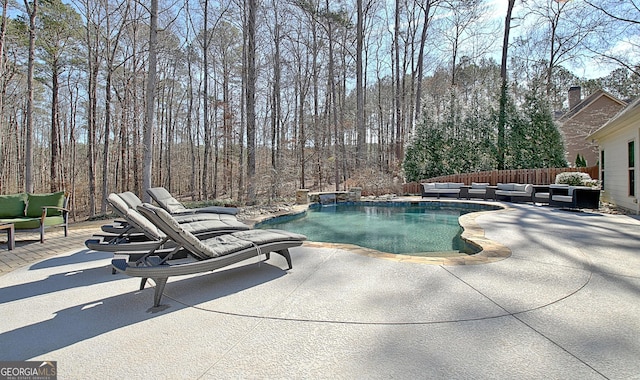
(532, 176)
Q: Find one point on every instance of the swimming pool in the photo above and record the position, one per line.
(418, 228)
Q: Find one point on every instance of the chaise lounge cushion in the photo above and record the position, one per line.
(223, 244)
(173, 206)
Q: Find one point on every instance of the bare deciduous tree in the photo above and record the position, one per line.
(32, 11)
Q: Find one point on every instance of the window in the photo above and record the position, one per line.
(631, 150)
(602, 169)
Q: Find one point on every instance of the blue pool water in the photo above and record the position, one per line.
(402, 228)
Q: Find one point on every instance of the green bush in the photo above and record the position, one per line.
(574, 179)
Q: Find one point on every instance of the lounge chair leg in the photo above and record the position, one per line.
(143, 282)
(285, 253)
(160, 283)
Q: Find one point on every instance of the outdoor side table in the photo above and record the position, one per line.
(464, 192)
(11, 241)
(491, 192)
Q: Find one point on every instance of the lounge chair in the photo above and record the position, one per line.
(207, 255)
(206, 225)
(165, 200)
(226, 217)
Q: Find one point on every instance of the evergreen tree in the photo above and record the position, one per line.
(536, 141)
(515, 129)
(458, 144)
(581, 162)
(424, 154)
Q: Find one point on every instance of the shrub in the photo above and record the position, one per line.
(575, 179)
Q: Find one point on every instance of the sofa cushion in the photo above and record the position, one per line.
(20, 219)
(12, 205)
(440, 185)
(572, 188)
(429, 186)
(541, 196)
(518, 187)
(453, 185)
(35, 202)
(562, 198)
(505, 186)
(479, 185)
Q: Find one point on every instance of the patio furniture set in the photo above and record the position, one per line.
(33, 212)
(171, 240)
(557, 195)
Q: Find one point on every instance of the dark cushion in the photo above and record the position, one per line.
(35, 202)
(12, 206)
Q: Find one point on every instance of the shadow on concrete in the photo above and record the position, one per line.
(87, 320)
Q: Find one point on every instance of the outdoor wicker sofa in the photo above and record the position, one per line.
(441, 189)
(514, 192)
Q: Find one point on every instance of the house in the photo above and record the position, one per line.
(618, 142)
(584, 117)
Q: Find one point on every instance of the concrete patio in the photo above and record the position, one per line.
(564, 305)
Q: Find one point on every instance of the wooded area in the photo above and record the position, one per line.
(248, 101)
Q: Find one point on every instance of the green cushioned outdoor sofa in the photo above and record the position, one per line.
(35, 211)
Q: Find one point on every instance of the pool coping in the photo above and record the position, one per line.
(473, 233)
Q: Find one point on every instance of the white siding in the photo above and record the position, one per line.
(616, 168)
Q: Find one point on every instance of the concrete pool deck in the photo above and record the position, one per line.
(565, 304)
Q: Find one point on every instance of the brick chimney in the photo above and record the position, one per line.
(575, 96)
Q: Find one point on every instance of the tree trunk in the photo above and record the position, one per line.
(32, 11)
(250, 102)
(332, 105)
(150, 99)
(55, 129)
(502, 115)
(92, 117)
(276, 116)
(3, 30)
(205, 104)
(360, 126)
(397, 87)
(423, 41)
